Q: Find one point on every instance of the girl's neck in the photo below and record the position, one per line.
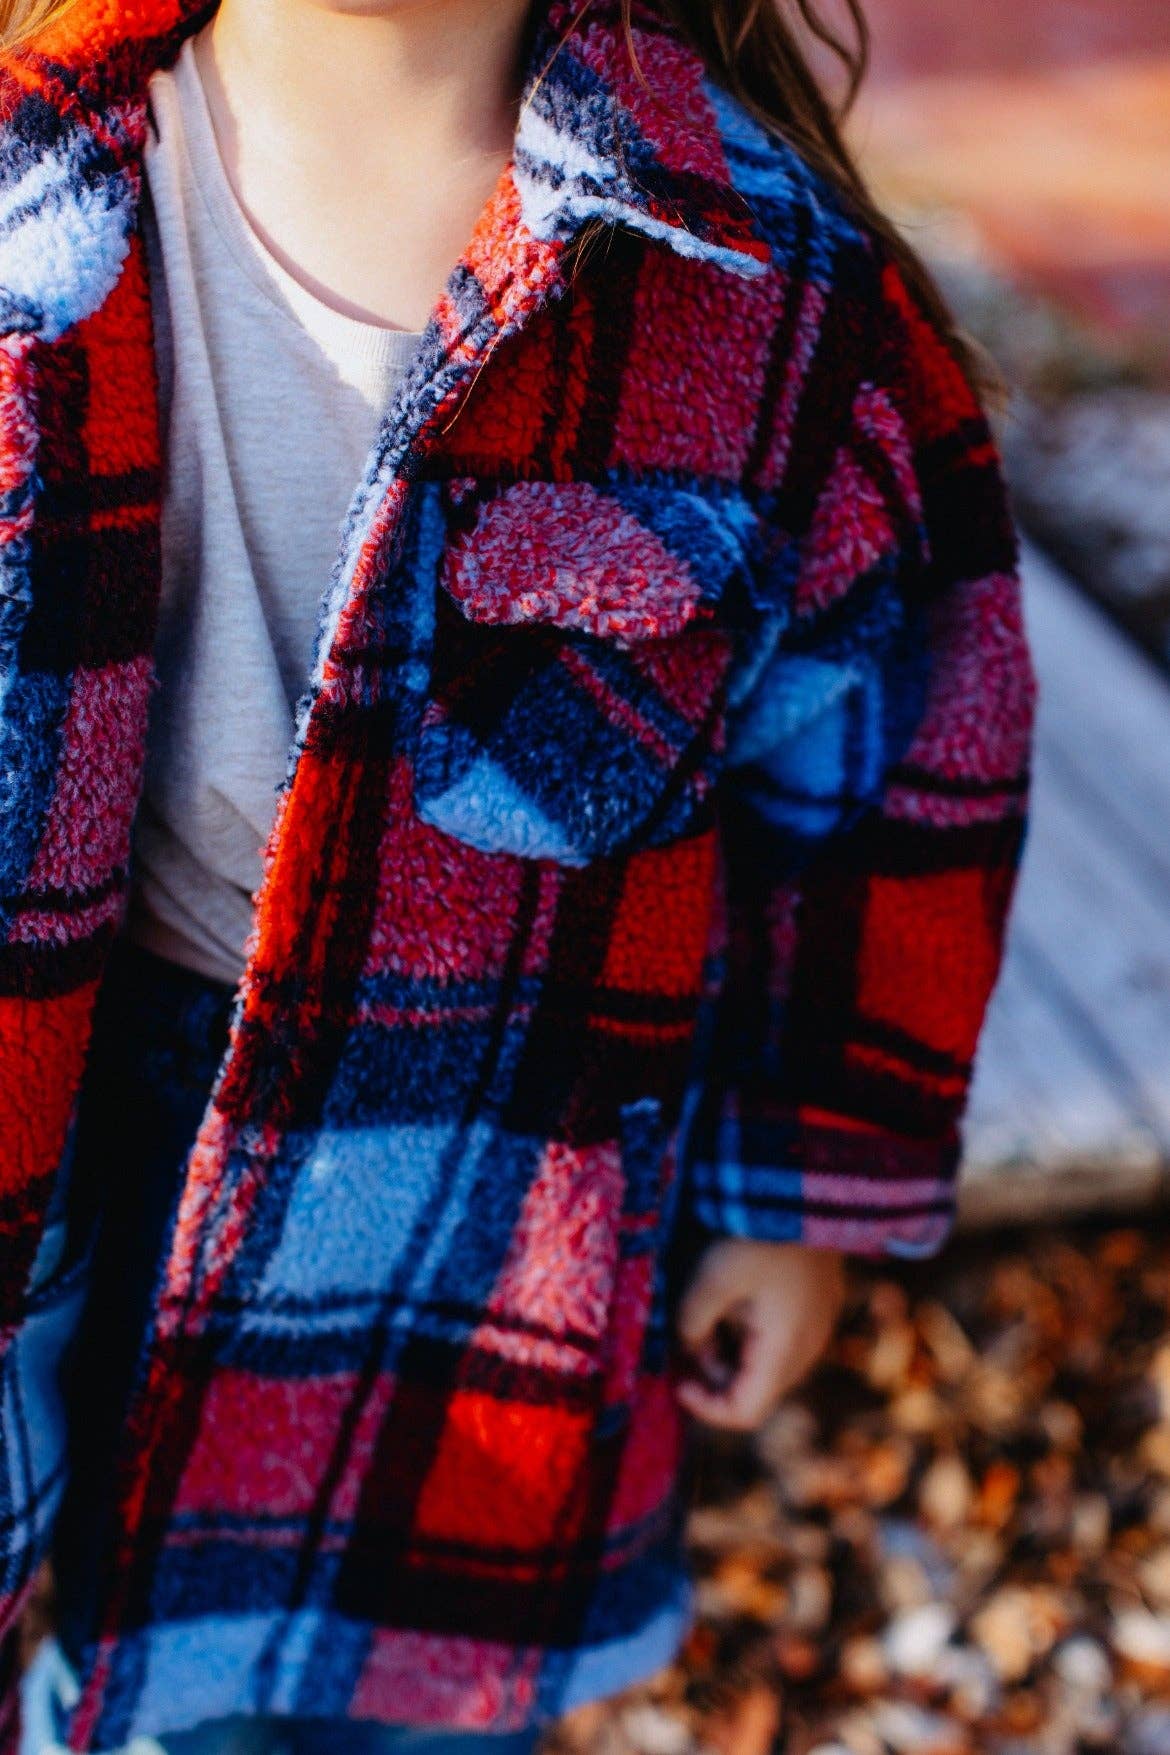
(362, 137)
(384, 76)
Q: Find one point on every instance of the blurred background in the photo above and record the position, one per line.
(955, 1540)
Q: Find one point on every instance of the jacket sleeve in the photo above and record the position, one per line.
(872, 818)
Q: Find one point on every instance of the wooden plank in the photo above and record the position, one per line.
(1104, 714)
(1105, 939)
(1039, 1091)
(1046, 1132)
(1070, 1107)
(1039, 1191)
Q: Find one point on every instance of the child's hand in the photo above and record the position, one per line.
(753, 1319)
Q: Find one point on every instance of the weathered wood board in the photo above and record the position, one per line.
(1070, 1109)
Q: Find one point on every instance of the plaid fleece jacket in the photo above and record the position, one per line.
(639, 876)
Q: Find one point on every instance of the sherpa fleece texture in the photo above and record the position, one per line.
(640, 875)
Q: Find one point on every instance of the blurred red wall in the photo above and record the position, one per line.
(914, 37)
(1045, 125)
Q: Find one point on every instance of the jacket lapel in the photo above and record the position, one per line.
(622, 128)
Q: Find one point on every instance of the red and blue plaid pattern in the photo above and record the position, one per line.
(640, 874)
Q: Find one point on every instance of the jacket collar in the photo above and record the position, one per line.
(601, 137)
(598, 139)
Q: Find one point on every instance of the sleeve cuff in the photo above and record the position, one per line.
(785, 1175)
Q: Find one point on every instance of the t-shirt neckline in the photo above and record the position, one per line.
(356, 338)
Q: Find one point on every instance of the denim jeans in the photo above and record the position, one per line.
(49, 1686)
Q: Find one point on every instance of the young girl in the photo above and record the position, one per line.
(514, 725)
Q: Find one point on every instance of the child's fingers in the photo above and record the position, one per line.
(719, 1408)
(707, 1405)
(747, 1399)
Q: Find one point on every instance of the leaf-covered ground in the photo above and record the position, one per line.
(955, 1539)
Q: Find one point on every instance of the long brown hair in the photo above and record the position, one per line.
(762, 52)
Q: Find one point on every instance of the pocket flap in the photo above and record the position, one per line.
(629, 563)
(575, 708)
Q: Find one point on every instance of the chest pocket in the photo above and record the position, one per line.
(575, 710)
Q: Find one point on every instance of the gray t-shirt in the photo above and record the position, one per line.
(270, 404)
